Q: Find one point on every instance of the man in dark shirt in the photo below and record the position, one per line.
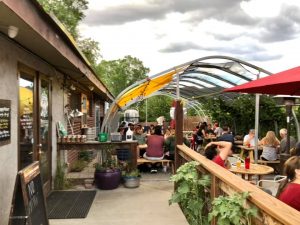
(226, 136)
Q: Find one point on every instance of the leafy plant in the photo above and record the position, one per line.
(60, 181)
(85, 155)
(110, 160)
(131, 173)
(232, 210)
(190, 192)
(78, 166)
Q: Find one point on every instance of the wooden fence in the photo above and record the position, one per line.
(223, 182)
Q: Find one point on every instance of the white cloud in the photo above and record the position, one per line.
(166, 33)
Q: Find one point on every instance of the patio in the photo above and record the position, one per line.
(147, 204)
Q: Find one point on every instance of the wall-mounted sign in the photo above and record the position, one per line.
(5, 114)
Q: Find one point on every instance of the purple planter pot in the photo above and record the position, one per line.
(108, 180)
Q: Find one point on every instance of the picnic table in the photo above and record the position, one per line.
(255, 169)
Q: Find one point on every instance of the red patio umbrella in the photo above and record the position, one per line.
(283, 83)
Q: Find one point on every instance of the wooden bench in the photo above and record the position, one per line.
(167, 162)
(275, 164)
(265, 162)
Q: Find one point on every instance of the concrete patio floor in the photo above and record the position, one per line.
(146, 205)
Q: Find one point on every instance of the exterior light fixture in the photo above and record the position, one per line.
(91, 88)
(12, 31)
(72, 87)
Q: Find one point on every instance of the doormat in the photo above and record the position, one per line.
(69, 204)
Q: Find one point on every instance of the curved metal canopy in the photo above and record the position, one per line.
(199, 78)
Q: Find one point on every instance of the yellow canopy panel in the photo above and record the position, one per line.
(146, 88)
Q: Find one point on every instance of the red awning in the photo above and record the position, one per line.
(283, 83)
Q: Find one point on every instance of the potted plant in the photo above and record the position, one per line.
(108, 173)
(131, 178)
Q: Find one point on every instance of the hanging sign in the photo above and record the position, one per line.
(5, 114)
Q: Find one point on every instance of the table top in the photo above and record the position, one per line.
(255, 169)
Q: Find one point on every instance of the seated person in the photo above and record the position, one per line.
(291, 192)
(209, 130)
(283, 145)
(141, 138)
(226, 136)
(269, 143)
(217, 130)
(296, 151)
(223, 148)
(249, 139)
(155, 142)
(170, 145)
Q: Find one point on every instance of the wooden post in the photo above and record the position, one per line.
(214, 193)
(178, 130)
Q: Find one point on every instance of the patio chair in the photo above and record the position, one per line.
(272, 186)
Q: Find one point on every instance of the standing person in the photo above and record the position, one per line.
(283, 135)
(291, 192)
(200, 136)
(217, 130)
(270, 144)
(249, 139)
(194, 138)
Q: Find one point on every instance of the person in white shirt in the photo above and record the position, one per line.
(250, 138)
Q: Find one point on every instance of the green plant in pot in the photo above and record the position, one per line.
(108, 173)
(131, 178)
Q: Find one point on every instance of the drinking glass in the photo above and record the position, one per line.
(247, 163)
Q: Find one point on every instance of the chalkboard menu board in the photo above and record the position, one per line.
(28, 203)
(5, 114)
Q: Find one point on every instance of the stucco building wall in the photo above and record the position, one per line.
(10, 56)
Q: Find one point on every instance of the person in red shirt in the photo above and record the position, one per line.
(291, 192)
(222, 147)
(155, 142)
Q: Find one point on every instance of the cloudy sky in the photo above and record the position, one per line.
(166, 33)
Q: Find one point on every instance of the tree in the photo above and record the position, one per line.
(69, 12)
(239, 113)
(119, 74)
(90, 49)
(156, 106)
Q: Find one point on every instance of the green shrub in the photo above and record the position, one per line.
(232, 210)
(190, 193)
(78, 166)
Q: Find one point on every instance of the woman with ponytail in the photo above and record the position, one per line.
(291, 192)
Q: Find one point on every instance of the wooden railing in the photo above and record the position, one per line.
(223, 182)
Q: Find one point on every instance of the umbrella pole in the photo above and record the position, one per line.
(256, 127)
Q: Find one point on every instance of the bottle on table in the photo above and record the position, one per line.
(129, 135)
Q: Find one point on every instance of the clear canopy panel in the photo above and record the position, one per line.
(196, 79)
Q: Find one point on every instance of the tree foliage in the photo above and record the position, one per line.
(90, 49)
(119, 74)
(156, 106)
(239, 113)
(69, 12)
(190, 193)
